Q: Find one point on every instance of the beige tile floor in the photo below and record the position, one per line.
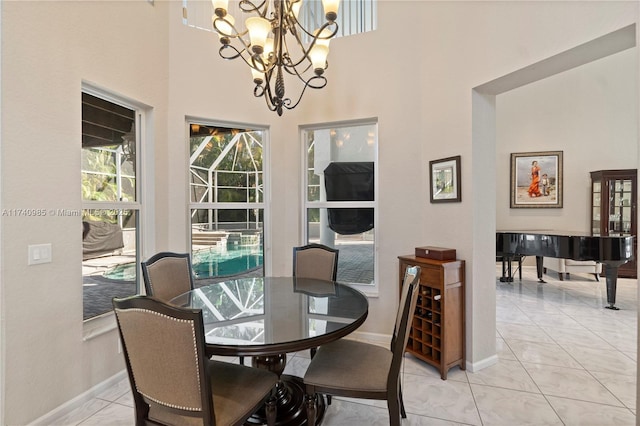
(563, 360)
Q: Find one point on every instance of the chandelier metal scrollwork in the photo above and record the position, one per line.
(265, 44)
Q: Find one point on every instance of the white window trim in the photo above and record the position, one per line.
(266, 179)
(105, 323)
(354, 16)
(371, 291)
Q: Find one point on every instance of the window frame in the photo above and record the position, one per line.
(105, 322)
(354, 16)
(263, 205)
(371, 290)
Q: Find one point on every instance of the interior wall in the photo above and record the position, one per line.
(498, 39)
(48, 50)
(420, 93)
(353, 92)
(437, 124)
(590, 113)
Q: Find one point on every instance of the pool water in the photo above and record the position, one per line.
(206, 263)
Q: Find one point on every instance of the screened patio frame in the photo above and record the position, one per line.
(208, 199)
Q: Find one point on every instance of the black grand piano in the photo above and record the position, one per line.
(610, 251)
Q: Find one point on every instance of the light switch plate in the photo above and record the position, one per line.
(39, 253)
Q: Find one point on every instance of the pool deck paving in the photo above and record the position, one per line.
(355, 264)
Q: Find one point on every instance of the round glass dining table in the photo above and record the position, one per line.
(267, 317)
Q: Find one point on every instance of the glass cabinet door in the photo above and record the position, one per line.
(620, 196)
(595, 207)
(613, 209)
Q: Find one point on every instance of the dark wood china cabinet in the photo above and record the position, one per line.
(613, 209)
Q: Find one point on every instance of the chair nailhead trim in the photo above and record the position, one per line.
(195, 347)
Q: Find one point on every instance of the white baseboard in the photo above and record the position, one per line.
(64, 409)
(385, 339)
(474, 367)
(377, 338)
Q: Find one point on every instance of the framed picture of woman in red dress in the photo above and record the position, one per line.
(536, 179)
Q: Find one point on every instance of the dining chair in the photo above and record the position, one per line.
(167, 275)
(315, 261)
(172, 380)
(356, 369)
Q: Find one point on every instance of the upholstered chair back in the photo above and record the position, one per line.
(167, 275)
(406, 308)
(410, 275)
(315, 261)
(164, 353)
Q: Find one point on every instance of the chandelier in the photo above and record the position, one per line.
(270, 32)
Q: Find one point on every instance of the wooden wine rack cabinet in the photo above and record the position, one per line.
(438, 330)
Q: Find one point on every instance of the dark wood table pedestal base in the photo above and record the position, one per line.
(291, 409)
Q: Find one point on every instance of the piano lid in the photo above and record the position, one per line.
(569, 245)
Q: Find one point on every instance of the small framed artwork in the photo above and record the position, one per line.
(445, 180)
(536, 179)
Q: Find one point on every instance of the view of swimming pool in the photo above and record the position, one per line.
(216, 263)
(206, 263)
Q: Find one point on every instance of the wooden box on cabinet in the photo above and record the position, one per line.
(438, 330)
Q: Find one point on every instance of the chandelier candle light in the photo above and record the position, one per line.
(271, 32)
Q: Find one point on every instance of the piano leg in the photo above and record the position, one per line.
(520, 267)
(539, 268)
(611, 271)
(506, 274)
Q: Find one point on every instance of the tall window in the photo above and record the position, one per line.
(340, 204)
(226, 201)
(110, 201)
(354, 16)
